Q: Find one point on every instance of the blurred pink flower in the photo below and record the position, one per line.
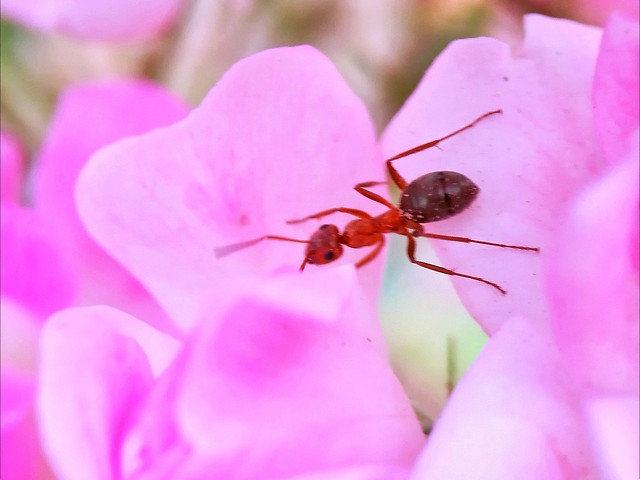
(66, 267)
(108, 20)
(593, 272)
(48, 260)
(556, 387)
(13, 166)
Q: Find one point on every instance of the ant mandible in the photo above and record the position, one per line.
(429, 198)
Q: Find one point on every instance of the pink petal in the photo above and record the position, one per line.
(109, 20)
(21, 452)
(527, 162)
(615, 428)
(35, 272)
(12, 166)
(279, 137)
(17, 396)
(593, 282)
(88, 117)
(19, 337)
(354, 473)
(94, 368)
(616, 85)
(280, 386)
(513, 415)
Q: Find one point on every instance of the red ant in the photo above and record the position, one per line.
(429, 198)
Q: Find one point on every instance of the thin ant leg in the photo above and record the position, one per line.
(361, 189)
(471, 240)
(228, 249)
(372, 254)
(324, 213)
(397, 178)
(411, 249)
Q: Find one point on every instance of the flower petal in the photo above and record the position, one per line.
(35, 272)
(17, 395)
(291, 387)
(593, 282)
(615, 430)
(22, 456)
(517, 395)
(527, 162)
(98, 19)
(89, 116)
(93, 370)
(616, 85)
(19, 337)
(279, 137)
(12, 166)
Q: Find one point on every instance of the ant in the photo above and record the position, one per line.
(429, 198)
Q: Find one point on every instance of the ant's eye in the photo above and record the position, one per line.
(328, 255)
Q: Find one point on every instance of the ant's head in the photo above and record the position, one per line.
(323, 247)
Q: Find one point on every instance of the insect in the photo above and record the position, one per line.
(429, 198)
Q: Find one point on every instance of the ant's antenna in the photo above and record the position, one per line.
(223, 251)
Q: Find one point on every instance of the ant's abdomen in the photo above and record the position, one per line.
(437, 195)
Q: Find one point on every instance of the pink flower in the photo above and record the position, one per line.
(12, 167)
(290, 379)
(282, 374)
(599, 11)
(49, 237)
(593, 270)
(48, 260)
(519, 159)
(278, 138)
(555, 392)
(110, 20)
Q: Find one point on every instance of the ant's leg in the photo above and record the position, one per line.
(228, 249)
(471, 240)
(401, 182)
(324, 213)
(372, 254)
(361, 189)
(411, 249)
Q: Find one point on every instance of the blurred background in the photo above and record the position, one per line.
(381, 47)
